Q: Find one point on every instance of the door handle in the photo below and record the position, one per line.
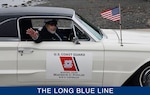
(25, 51)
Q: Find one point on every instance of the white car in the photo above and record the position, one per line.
(85, 57)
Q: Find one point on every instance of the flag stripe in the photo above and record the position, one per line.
(117, 17)
(112, 18)
(112, 14)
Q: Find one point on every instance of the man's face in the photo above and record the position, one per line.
(51, 28)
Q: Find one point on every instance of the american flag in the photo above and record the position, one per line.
(111, 14)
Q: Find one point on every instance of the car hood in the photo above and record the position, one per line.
(129, 36)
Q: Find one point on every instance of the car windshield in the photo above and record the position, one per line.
(96, 32)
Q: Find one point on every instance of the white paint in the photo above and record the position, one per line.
(55, 69)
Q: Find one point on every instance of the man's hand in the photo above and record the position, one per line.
(32, 33)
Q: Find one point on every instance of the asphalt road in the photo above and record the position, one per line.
(135, 13)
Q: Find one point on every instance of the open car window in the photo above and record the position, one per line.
(65, 26)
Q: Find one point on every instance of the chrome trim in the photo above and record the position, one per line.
(12, 39)
(44, 17)
(144, 78)
(7, 20)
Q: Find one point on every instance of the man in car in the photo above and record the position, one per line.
(49, 32)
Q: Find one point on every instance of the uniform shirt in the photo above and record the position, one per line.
(45, 35)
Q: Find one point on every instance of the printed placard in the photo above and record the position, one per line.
(69, 65)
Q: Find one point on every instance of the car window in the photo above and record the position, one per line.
(25, 24)
(37, 23)
(96, 32)
(81, 34)
(64, 23)
(61, 23)
(65, 27)
(8, 28)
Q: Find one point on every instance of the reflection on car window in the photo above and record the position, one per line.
(90, 27)
(81, 34)
(9, 28)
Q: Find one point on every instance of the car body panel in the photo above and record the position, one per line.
(8, 62)
(32, 66)
(105, 61)
(128, 58)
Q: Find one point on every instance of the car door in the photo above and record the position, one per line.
(8, 51)
(77, 62)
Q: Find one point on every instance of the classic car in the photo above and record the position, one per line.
(86, 56)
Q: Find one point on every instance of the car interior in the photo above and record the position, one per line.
(37, 24)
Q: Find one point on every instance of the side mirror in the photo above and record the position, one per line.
(76, 40)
